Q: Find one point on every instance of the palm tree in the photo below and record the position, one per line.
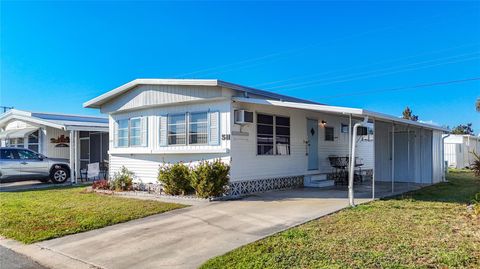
(477, 104)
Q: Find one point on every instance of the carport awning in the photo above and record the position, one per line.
(338, 110)
(17, 133)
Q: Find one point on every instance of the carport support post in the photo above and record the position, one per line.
(393, 157)
(76, 165)
(374, 161)
(351, 161)
(72, 156)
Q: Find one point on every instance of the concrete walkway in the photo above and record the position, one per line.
(188, 237)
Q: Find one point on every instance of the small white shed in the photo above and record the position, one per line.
(459, 148)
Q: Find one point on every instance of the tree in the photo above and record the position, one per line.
(408, 114)
(465, 129)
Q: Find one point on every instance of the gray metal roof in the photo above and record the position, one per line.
(104, 98)
(55, 120)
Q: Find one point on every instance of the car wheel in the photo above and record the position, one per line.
(59, 175)
(44, 180)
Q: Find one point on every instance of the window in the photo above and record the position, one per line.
(8, 154)
(136, 132)
(198, 128)
(177, 130)
(264, 134)
(282, 135)
(329, 134)
(33, 141)
(131, 132)
(16, 142)
(273, 130)
(27, 155)
(122, 135)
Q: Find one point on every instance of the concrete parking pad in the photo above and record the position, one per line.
(186, 238)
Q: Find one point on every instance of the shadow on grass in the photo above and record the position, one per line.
(461, 187)
(43, 188)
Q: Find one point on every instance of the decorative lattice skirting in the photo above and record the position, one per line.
(244, 187)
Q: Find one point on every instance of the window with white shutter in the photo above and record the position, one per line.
(162, 126)
(214, 128)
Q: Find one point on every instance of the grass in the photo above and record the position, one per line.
(31, 216)
(428, 228)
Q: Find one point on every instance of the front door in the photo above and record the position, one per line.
(312, 144)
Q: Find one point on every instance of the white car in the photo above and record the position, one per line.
(20, 163)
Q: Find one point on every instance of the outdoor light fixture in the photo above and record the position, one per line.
(324, 122)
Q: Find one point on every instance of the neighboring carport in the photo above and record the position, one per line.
(80, 139)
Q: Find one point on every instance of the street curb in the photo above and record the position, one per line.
(45, 256)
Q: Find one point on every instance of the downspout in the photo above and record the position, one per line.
(443, 157)
(352, 161)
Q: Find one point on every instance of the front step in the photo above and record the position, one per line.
(317, 181)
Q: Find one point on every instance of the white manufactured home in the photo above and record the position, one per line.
(79, 139)
(459, 148)
(270, 140)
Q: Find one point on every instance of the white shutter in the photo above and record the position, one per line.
(214, 128)
(115, 133)
(144, 131)
(162, 129)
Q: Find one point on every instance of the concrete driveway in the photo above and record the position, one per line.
(188, 237)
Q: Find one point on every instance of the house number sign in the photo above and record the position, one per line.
(225, 137)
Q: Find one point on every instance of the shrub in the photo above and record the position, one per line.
(476, 164)
(101, 185)
(210, 179)
(122, 180)
(175, 178)
(476, 205)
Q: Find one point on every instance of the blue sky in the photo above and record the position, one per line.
(57, 55)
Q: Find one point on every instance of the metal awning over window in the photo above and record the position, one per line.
(17, 133)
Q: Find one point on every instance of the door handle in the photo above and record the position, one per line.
(24, 163)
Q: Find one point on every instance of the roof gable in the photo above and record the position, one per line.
(103, 99)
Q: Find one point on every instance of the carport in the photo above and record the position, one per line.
(405, 152)
(80, 139)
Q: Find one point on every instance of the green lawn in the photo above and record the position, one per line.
(428, 228)
(31, 216)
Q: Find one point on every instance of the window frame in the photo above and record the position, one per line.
(274, 126)
(16, 144)
(118, 134)
(325, 133)
(185, 123)
(188, 128)
(34, 143)
(139, 132)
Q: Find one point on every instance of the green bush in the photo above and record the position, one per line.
(175, 178)
(210, 179)
(122, 180)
